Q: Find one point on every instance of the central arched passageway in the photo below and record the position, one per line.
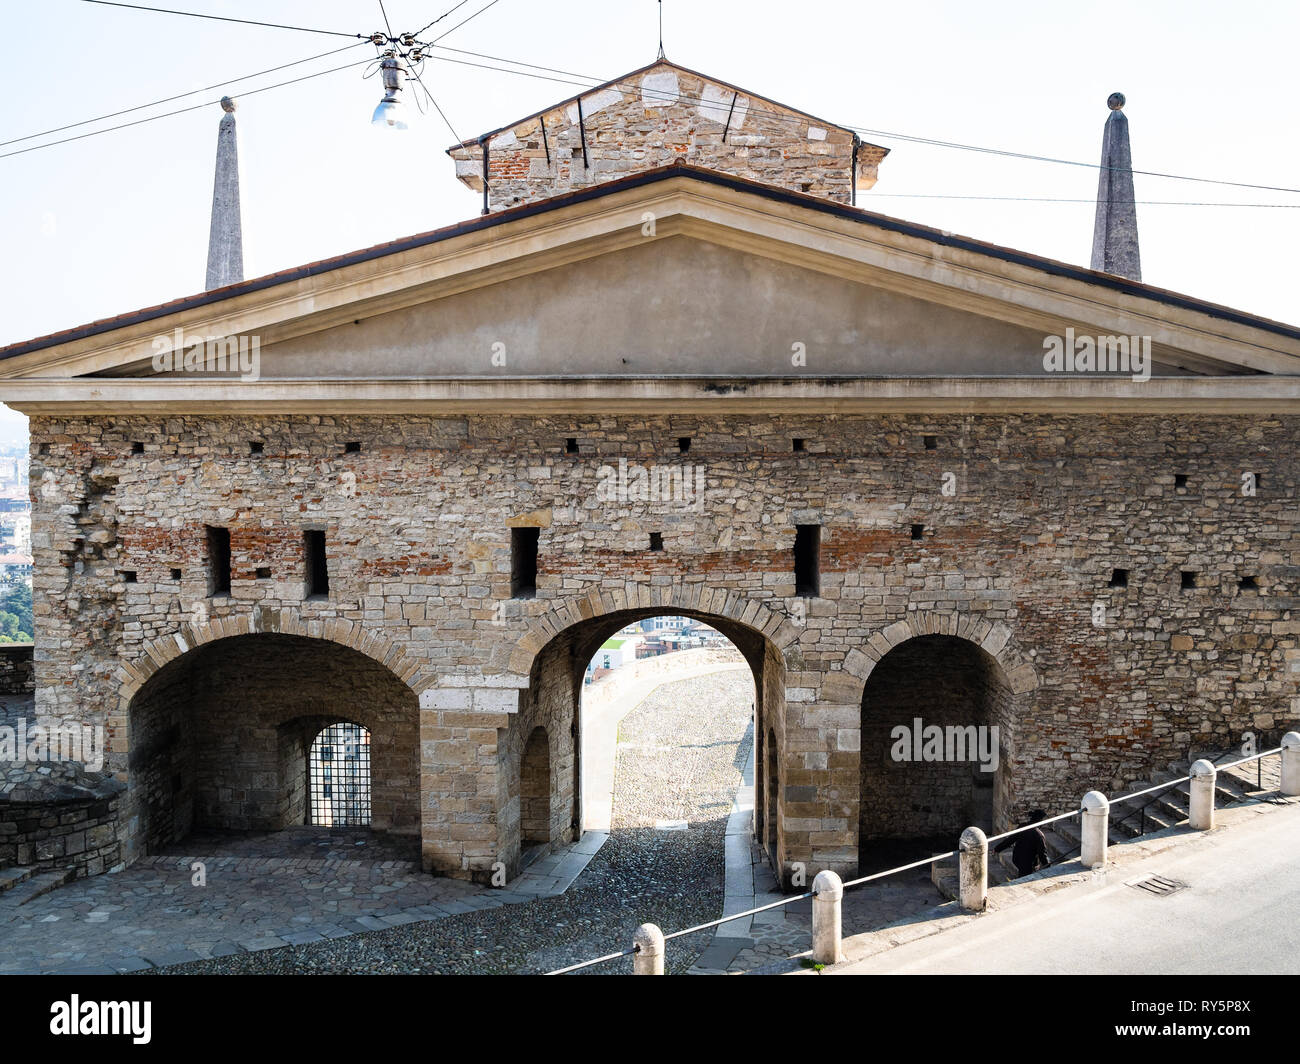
(554, 699)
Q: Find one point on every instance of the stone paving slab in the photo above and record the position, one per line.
(738, 893)
(151, 914)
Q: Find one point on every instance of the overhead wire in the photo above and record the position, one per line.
(1054, 199)
(435, 22)
(588, 81)
(470, 18)
(446, 121)
(182, 110)
(220, 18)
(362, 39)
(672, 97)
(180, 96)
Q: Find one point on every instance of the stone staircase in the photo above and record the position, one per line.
(1128, 820)
(18, 886)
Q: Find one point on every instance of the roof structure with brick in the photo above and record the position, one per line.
(659, 114)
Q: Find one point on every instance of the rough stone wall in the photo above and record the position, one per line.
(17, 676)
(1044, 509)
(161, 763)
(54, 813)
(657, 117)
(80, 834)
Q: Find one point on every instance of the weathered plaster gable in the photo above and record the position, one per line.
(672, 306)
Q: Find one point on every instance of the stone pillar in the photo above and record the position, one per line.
(225, 237)
(973, 869)
(649, 956)
(826, 917)
(1291, 763)
(1202, 811)
(1115, 233)
(1094, 829)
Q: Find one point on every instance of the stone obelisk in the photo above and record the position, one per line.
(225, 238)
(1115, 237)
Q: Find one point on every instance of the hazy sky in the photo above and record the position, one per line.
(120, 221)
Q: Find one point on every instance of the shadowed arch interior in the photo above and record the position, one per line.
(219, 738)
(535, 790)
(929, 710)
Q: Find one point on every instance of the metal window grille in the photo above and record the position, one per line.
(339, 766)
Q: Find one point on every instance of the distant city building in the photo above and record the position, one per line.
(15, 568)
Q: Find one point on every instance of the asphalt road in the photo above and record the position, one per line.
(1237, 915)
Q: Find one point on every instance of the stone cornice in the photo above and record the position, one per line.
(527, 396)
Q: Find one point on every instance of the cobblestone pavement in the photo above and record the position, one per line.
(678, 760)
(778, 939)
(315, 900)
(153, 914)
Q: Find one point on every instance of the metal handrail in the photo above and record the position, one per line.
(1253, 757)
(1038, 824)
(598, 960)
(740, 916)
(892, 871)
(900, 868)
(1169, 784)
(692, 930)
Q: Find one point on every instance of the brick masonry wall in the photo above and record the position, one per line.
(1044, 508)
(657, 117)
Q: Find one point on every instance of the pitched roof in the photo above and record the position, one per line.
(677, 170)
(621, 82)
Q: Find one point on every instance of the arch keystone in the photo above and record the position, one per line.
(898, 632)
(997, 639)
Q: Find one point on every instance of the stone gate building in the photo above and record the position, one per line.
(437, 493)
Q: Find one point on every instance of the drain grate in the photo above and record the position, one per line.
(1161, 886)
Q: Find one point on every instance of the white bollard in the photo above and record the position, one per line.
(649, 956)
(1291, 763)
(1094, 829)
(973, 870)
(826, 917)
(1202, 811)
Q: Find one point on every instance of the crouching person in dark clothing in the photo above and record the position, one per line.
(1030, 852)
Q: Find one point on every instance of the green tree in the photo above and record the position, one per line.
(16, 603)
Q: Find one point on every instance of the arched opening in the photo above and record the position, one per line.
(222, 739)
(591, 683)
(937, 720)
(339, 773)
(535, 792)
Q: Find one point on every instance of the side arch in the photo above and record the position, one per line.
(157, 653)
(993, 637)
(218, 737)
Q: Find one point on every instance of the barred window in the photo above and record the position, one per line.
(339, 772)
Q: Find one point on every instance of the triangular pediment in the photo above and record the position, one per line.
(680, 306)
(676, 273)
